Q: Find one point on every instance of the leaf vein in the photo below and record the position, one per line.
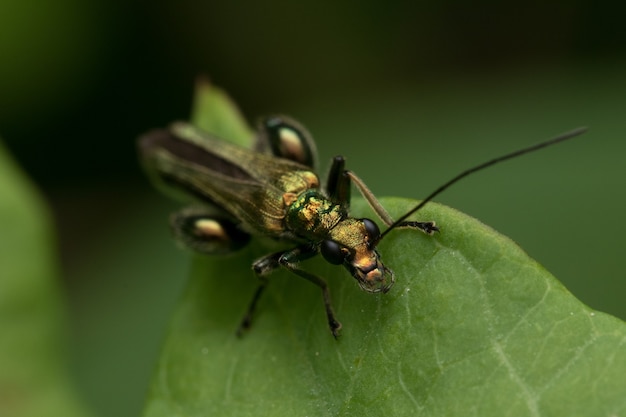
(405, 389)
(529, 397)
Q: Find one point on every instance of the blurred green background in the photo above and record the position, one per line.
(410, 92)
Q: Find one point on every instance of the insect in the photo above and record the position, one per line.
(273, 191)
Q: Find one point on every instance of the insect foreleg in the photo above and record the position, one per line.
(426, 227)
(370, 198)
(289, 259)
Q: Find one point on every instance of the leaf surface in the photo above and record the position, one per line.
(33, 378)
(473, 326)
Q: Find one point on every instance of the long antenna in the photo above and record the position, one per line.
(561, 138)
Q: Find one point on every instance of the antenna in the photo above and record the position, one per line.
(560, 138)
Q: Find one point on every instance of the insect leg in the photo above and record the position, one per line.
(426, 227)
(207, 231)
(246, 322)
(286, 138)
(338, 183)
(289, 260)
(262, 268)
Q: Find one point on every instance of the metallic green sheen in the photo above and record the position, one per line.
(312, 215)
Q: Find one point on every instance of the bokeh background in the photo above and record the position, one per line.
(410, 92)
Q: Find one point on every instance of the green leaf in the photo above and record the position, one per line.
(473, 326)
(215, 112)
(33, 376)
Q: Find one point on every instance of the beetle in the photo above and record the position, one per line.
(273, 190)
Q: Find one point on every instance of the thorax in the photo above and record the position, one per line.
(311, 215)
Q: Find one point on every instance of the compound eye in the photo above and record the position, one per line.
(372, 229)
(331, 251)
